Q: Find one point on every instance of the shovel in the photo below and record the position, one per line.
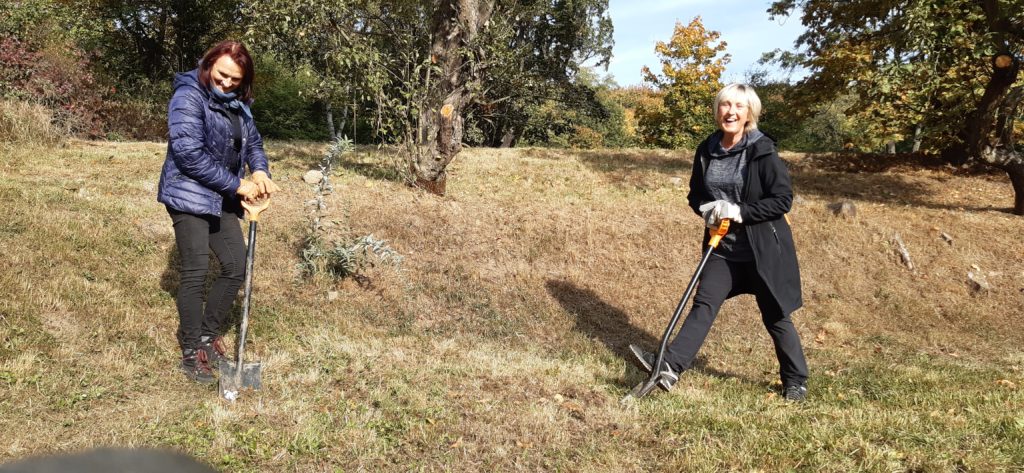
(645, 387)
(239, 375)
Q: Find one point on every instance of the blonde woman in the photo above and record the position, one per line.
(737, 174)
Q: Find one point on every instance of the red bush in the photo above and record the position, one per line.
(59, 78)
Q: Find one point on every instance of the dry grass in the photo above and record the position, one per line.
(499, 343)
(28, 124)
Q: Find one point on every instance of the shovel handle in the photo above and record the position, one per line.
(254, 208)
(718, 232)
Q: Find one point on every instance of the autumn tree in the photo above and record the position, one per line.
(945, 73)
(690, 76)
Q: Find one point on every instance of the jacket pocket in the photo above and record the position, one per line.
(775, 233)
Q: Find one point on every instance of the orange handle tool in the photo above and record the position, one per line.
(718, 232)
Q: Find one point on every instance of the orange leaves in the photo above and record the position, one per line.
(691, 71)
(690, 56)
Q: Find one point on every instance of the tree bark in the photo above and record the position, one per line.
(330, 121)
(1016, 173)
(995, 147)
(508, 139)
(988, 133)
(455, 24)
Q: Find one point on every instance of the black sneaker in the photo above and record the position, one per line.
(195, 366)
(795, 392)
(215, 350)
(644, 360)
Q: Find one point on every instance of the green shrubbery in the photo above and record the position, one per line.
(284, 108)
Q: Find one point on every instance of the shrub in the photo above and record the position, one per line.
(57, 77)
(284, 108)
(585, 137)
(134, 119)
(342, 259)
(335, 252)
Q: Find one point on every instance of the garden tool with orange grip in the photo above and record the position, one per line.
(647, 385)
(239, 375)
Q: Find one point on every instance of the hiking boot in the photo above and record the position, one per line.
(195, 366)
(215, 350)
(645, 360)
(795, 392)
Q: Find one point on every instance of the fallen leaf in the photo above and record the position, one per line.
(1006, 383)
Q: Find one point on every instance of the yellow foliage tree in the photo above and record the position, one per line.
(691, 71)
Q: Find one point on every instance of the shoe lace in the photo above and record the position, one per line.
(202, 362)
(218, 345)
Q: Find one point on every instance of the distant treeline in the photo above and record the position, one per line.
(103, 69)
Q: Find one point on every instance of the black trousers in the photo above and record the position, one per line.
(196, 236)
(721, 280)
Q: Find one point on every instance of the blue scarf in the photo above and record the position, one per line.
(230, 101)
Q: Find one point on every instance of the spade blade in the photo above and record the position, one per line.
(232, 381)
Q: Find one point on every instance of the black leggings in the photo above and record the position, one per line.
(721, 280)
(196, 235)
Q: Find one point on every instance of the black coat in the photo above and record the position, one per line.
(767, 197)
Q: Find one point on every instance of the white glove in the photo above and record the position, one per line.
(714, 212)
(730, 211)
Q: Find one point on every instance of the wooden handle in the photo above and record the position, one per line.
(253, 209)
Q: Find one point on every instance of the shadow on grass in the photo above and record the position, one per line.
(170, 279)
(834, 176)
(880, 188)
(368, 161)
(598, 319)
(372, 166)
(638, 160)
(299, 154)
(878, 178)
(609, 324)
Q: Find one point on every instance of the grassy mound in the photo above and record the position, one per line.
(499, 342)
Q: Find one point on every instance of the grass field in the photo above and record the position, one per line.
(499, 342)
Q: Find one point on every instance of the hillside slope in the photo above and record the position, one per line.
(499, 343)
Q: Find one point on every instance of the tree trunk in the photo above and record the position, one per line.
(917, 138)
(454, 25)
(509, 138)
(1016, 174)
(995, 147)
(330, 122)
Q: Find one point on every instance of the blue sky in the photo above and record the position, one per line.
(744, 25)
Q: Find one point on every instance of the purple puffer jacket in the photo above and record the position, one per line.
(195, 177)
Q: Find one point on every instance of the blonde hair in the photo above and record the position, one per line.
(741, 93)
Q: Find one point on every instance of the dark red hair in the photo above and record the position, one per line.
(240, 55)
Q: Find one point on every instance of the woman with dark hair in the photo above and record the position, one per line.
(738, 175)
(212, 140)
